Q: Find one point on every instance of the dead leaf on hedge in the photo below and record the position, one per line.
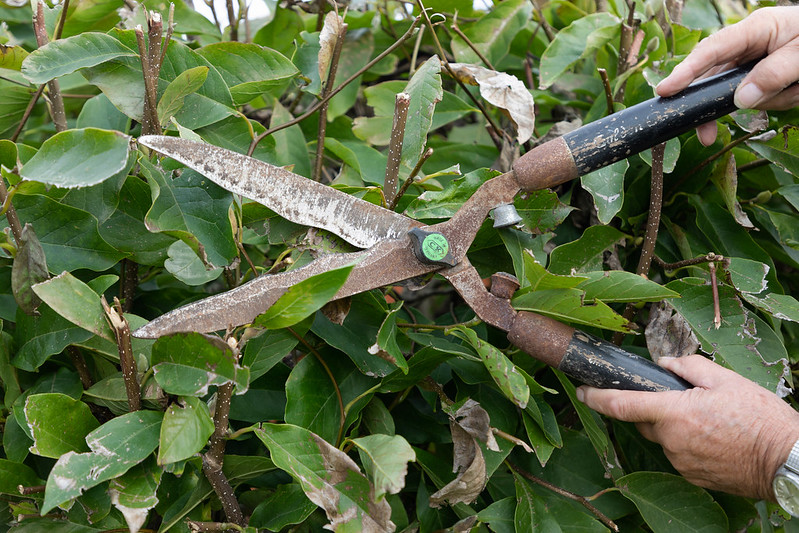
(668, 334)
(725, 176)
(470, 465)
(473, 419)
(327, 42)
(504, 91)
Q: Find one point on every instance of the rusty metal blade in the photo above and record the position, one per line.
(385, 263)
(291, 196)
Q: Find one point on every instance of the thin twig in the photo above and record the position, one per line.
(311, 110)
(119, 324)
(510, 438)
(233, 22)
(542, 21)
(26, 115)
(471, 45)
(79, 362)
(401, 104)
(451, 72)
(170, 28)
(212, 527)
(608, 91)
(318, 356)
(565, 493)
(652, 225)
(54, 89)
(709, 258)
(757, 163)
(411, 178)
(331, 77)
(61, 20)
(416, 45)
(214, 458)
(715, 289)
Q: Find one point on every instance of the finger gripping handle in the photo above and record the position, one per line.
(587, 358)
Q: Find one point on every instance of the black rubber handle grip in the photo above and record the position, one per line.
(587, 358)
(602, 364)
(654, 121)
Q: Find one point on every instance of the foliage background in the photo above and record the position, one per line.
(308, 425)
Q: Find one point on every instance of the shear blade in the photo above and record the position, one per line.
(293, 197)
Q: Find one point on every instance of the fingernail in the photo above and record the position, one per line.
(748, 96)
(580, 394)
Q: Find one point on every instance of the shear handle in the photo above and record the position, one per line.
(628, 132)
(589, 359)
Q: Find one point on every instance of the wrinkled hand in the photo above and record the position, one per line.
(727, 433)
(772, 32)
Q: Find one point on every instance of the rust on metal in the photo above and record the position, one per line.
(543, 338)
(291, 196)
(491, 309)
(503, 285)
(546, 165)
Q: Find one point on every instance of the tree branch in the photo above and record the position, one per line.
(122, 333)
(331, 78)
(401, 103)
(54, 89)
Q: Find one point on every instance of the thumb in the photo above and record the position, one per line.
(629, 406)
(769, 77)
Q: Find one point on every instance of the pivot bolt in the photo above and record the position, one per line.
(505, 215)
(431, 247)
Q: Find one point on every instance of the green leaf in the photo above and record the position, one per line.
(782, 149)
(621, 286)
(250, 70)
(584, 254)
(64, 56)
(493, 33)
(266, 350)
(606, 185)
(539, 279)
(670, 156)
(77, 302)
(303, 299)
(11, 57)
(14, 475)
(385, 459)
(290, 148)
(40, 337)
(134, 492)
(194, 210)
(286, 506)
(186, 364)
(541, 211)
(29, 268)
(525, 517)
(512, 384)
(444, 204)
(99, 112)
(669, 503)
(725, 176)
(744, 342)
(569, 305)
(78, 158)
(184, 431)
(499, 515)
(313, 395)
(387, 339)
(58, 424)
(279, 33)
(329, 478)
(183, 263)
(116, 446)
(110, 392)
(425, 91)
(178, 89)
(582, 37)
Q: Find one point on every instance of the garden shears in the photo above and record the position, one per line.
(396, 248)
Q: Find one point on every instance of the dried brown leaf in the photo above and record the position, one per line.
(327, 42)
(668, 334)
(473, 419)
(337, 310)
(504, 91)
(470, 464)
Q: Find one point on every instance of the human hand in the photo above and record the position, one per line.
(772, 32)
(727, 433)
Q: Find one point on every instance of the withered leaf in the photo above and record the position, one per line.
(725, 176)
(327, 42)
(504, 91)
(473, 419)
(470, 465)
(29, 268)
(337, 310)
(668, 334)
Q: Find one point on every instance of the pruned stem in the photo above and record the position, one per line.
(212, 527)
(401, 103)
(331, 78)
(150, 125)
(11, 213)
(709, 258)
(214, 458)
(565, 493)
(122, 333)
(54, 89)
(652, 225)
(608, 91)
(335, 91)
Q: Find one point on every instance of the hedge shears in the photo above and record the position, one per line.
(395, 248)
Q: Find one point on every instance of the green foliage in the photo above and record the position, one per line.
(353, 412)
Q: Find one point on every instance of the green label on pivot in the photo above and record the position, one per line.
(435, 247)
